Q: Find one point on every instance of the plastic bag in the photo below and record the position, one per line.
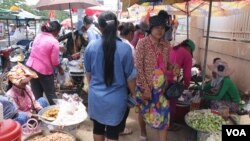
(131, 102)
(71, 112)
(65, 79)
(174, 90)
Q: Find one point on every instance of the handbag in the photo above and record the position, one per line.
(175, 89)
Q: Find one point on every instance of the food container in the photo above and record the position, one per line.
(202, 135)
(58, 124)
(49, 133)
(194, 105)
(181, 110)
(10, 130)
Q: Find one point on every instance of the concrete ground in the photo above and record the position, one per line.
(84, 132)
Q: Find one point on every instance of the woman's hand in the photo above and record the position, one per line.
(146, 95)
(75, 56)
(61, 71)
(62, 49)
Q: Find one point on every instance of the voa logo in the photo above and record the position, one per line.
(236, 132)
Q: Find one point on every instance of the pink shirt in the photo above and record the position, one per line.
(23, 99)
(183, 58)
(44, 54)
(137, 35)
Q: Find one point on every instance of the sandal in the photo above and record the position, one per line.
(126, 131)
(143, 138)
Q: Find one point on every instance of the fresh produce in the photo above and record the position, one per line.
(205, 121)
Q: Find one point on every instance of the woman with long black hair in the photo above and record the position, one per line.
(110, 70)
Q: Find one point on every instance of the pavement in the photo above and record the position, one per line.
(84, 131)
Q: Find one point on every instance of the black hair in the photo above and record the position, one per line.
(163, 14)
(126, 28)
(137, 27)
(88, 20)
(108, 23)
(216, 59)
(96, 24)
(50, 27)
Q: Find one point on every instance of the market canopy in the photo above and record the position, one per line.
(6, 14)
(96, 10)
(15, 8)
(26, 15)
(64, 4)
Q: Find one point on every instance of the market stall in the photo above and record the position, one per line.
(56, 121)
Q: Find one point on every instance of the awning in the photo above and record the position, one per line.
(26, 15)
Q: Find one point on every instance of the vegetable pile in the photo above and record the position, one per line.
(205, 121)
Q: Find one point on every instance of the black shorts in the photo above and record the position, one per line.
(111, 132)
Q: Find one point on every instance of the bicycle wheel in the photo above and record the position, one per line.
(3, 82)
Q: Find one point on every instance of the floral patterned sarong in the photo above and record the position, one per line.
(155, 111)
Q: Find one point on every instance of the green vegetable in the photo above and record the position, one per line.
(205, 121)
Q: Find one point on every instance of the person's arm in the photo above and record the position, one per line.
(139, 61)
(223, 90)
(37, 106)
(87, 61)
(54, 58)
(187, 70)
(233, 91)
(130, 71)
(207, 86)
(135, 39)
(63, 37)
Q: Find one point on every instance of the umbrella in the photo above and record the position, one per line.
(96, 10)
(235, 6)
(200, 8)
(67, 22)
(65, 4)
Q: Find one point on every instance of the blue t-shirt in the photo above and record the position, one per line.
(93, 33)
(107, 105)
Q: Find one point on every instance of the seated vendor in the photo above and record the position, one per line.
(221, 90)
(20, 92)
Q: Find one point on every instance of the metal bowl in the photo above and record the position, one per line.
(54, 124)
(43, 132)
(186, 120)
(42, 111)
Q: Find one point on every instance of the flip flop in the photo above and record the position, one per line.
(126, 131)
(143, 138)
